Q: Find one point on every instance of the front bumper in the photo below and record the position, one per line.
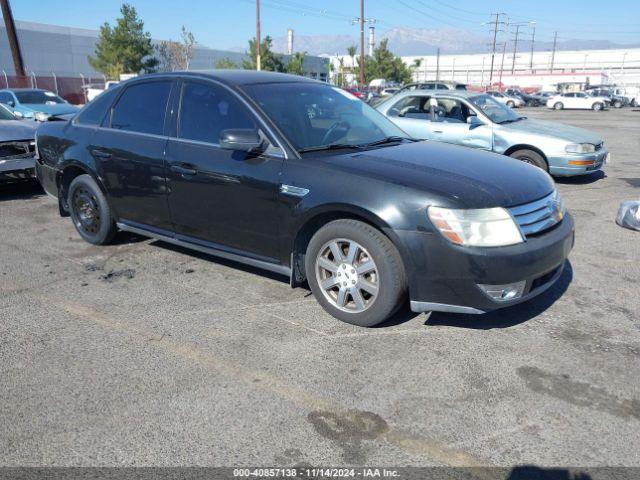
(559, 165)
(445, 277)
(16, 169)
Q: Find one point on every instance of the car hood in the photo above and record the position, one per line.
(462, 177)
(53, 109)
(552, 129)
(17, 130)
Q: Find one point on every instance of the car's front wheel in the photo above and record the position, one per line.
(355, 272)
(90, 211)
(617, 104)
(558, 106)
(511, 104)
(597, 106)
(530, 157)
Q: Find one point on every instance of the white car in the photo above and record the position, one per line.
(509, 101)
(93, 90)
(389, 91)
(577, 100)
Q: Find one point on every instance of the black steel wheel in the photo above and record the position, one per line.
(90, 211)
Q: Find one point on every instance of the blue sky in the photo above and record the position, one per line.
(230, 23)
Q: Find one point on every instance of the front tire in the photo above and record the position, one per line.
(355, 272)
(617, 104)
(530, 157)
(90, 211)
(558, 106)
(511, 104)
(597, 106)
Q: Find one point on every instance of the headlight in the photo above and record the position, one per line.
(580, 148)
(487, 227)
(41, 116)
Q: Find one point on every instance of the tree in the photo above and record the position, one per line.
(124, 48)
(296, 63)
(384, 64)
(176, 55)
(268, 60)
(417, 63)
(351, 51)
(224, 64)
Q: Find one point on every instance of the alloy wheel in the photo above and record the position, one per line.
(347, 275)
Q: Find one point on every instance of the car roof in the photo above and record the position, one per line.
(24, 90)
(439, 93)
(234, 77)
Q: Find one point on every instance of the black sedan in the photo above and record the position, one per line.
(301, 178)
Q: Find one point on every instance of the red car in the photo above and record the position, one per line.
(354, 91)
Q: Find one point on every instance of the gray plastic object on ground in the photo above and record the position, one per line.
(629, 215)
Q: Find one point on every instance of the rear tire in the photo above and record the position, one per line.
(617, 104)
(90, 211)
(558, 106)
(634, 103)
(597, 106)
(355, 272)
(530, 157)
(511, 104)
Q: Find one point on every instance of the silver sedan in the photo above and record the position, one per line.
(477, 120)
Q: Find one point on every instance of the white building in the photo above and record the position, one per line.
(542, 70)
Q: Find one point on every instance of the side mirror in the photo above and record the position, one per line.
(473, 121)
(11, 103)
(393, 112)
(18, 115)
(242, 139)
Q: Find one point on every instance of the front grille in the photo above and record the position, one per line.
(19, 149)
(538, 216)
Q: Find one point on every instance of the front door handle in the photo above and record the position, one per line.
(183, 170)
(100, 154)
(437, 131)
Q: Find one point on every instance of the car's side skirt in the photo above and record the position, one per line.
(211, 250)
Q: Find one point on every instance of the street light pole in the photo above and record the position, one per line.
(362, 43)
(258, 62)
(14, 44)
(533, 40)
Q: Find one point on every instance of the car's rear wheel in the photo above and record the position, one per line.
(597, 106)
(511, 104)
(355, 272)
(634, 103)
(558, 106)
(90, 211)
(530, 157)
(617, 104)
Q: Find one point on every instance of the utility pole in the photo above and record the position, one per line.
(13, 38)
(495, 24)
(362, 42)
(553, 54)
(361, 21)
(258, 63)
(438, 64)
(504, 50)
(533, 41)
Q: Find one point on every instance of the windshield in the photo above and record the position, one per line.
(38, 97)
(6, 114)
(496, 112)
(313, 115)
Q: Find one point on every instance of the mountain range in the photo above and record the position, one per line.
(423, 41)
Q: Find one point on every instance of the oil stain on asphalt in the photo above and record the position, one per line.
(577, 393)
(348, 430)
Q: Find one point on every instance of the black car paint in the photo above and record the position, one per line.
(234, 204)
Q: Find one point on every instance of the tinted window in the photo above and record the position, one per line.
(6, 114)
(461, 87)
(38, 97)
(411, 107)
(141, 108)
(5, 97)
(95, 111)
(207, 110)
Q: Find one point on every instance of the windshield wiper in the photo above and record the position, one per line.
(386, 140)
(332, 146)
(513, 120)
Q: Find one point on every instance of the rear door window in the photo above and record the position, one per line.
(142, 107)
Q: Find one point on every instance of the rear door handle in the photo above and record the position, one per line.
(437, 131)
(184, 170)
(100, 153)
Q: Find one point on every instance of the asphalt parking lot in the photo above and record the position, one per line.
(141, 353)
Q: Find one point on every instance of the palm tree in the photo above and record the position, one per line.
(417, 62)
(351, 51)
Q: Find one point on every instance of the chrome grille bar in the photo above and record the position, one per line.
(537, 216)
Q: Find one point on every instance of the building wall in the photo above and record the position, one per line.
(48, 49)
(618, 66)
